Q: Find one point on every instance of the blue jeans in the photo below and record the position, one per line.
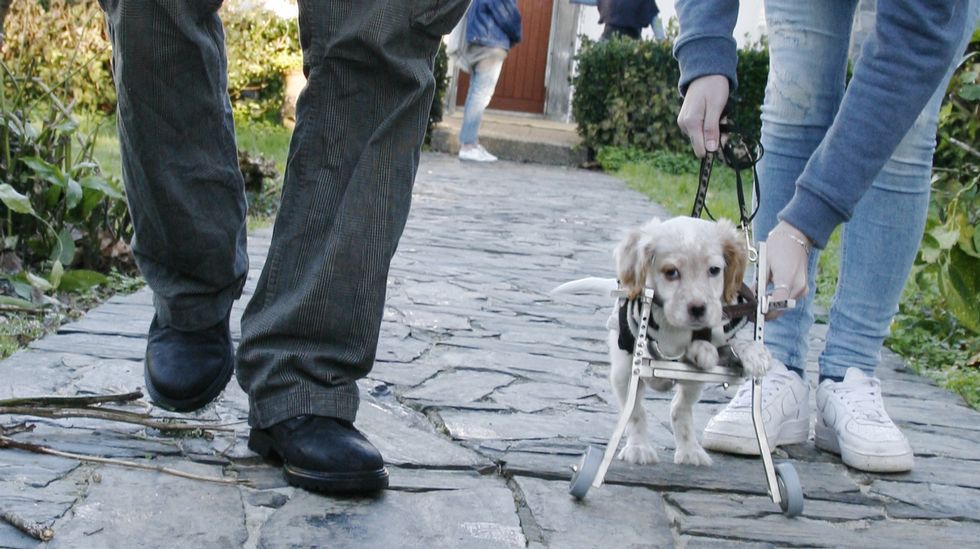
(482, 83)
(808, 45)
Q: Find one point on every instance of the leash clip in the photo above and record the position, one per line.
(753, 253)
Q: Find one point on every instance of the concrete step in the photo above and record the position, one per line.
(516, 138)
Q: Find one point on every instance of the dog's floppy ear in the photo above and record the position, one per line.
(634, 256)
(736, 256)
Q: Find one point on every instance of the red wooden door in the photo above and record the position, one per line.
(521, 84)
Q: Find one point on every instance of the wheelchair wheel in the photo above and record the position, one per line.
(585, 473)
(790, 489)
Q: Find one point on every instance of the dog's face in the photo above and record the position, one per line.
(695, 266)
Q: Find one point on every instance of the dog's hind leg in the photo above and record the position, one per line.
(688, 449)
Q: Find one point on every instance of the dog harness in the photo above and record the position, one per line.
(629, 319)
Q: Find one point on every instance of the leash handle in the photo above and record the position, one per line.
(740, 154)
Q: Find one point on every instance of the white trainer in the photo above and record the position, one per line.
(852, 422)
(476, 153)
(785, 413)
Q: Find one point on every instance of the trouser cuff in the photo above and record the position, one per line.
(339, 402)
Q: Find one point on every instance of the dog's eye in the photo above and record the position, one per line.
(672, 274)
(714, 271)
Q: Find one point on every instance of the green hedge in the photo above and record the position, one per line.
(626, 94)
(62, 45)
(262, 48)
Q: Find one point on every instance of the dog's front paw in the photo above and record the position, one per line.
(754, 356)
(702, 354)
(640, 454)
(691, 455)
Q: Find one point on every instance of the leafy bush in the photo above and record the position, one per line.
(62, 43)
(959, 118)
(949, 258)
(58, 209)
(938, 325)
(626, 94)
(262, 48)
(441, 71)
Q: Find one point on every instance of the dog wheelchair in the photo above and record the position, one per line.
(782, 481)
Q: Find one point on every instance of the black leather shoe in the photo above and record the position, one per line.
(186, 370)
(322, 454)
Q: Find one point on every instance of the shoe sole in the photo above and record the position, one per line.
(194, 403)
(826, 439)
(796, 431)
(361, 482)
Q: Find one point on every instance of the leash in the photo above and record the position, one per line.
(740, 153)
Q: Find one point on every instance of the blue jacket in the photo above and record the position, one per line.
(493, 23)
(902, 64)
(627, 13)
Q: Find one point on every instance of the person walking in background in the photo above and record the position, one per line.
(860, 156)
(627, 17)
(493, 27)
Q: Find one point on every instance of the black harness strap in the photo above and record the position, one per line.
(737, 315)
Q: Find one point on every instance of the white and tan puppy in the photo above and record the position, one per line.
(694, 267)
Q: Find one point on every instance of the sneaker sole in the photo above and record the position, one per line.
(826, 439)
(791, 432)
(360, 482)
(193, 403)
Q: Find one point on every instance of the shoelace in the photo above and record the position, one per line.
(863, 399)
(770, 385)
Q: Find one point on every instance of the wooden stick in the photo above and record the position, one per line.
(964, 146)
(71, 401)
(111, 415)
(37, 449)
(15, 428)
(29, 527)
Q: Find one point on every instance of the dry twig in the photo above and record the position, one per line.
(111, 415)
(71, 401)
(56, 407)
(15, 428)
(38, 449)
(964, 146)
(29, 527)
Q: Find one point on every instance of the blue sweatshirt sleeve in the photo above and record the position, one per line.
(705, 45)
(900, 67)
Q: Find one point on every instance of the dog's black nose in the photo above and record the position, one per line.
(696, 310)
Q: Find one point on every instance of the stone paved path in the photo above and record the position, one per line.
(484, 394)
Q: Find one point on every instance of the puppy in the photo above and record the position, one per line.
(694, 267)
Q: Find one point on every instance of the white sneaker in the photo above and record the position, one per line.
(785, 413)
(852, 422)
(476, 154)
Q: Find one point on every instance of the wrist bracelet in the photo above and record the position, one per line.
(794, 238)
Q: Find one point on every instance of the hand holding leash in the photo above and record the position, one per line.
(789, 253)
(701, 112)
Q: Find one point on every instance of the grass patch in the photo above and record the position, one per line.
(271, 142)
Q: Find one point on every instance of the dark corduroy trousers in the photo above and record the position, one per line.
(311, 329)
